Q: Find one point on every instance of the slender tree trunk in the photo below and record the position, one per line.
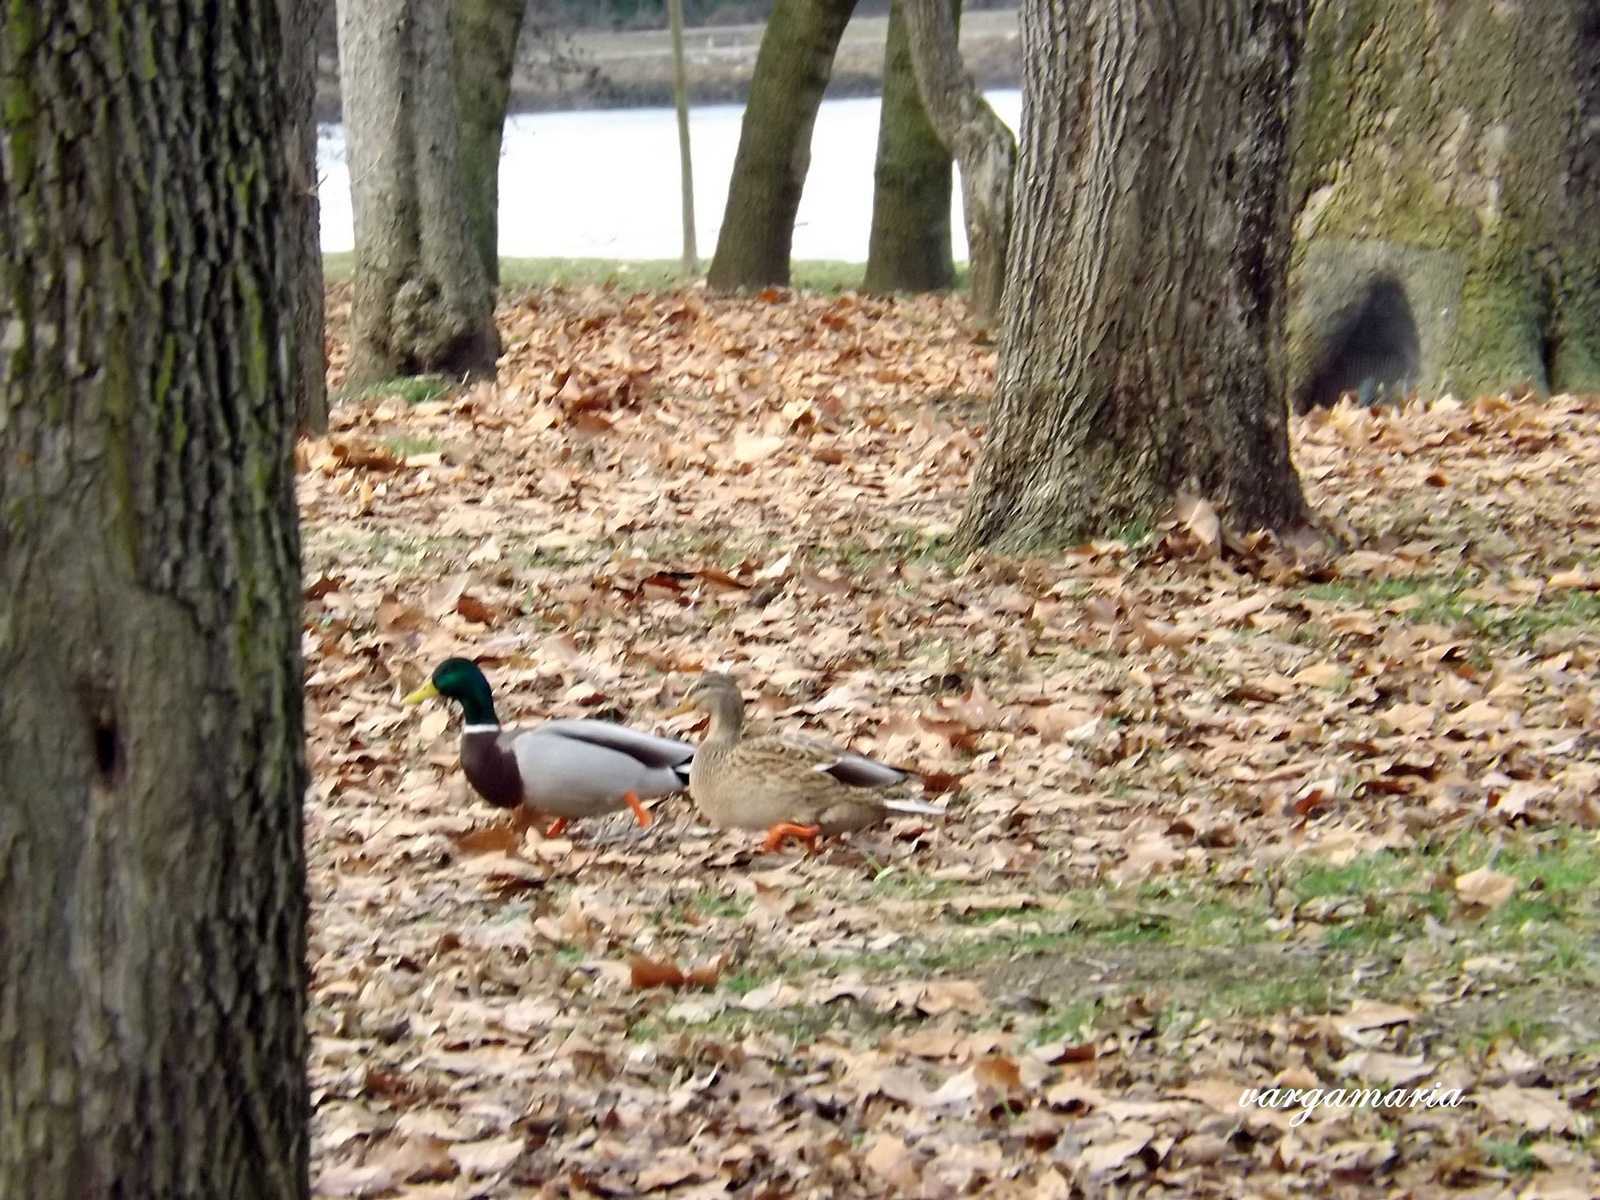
(1574, 359)
(977, 138)
(1143, 349)
(769, 170)
(152, 872)
(421, 301)
(909, 250)
(680, 102)
(483, 34)
(300, 75)
(1449, 200)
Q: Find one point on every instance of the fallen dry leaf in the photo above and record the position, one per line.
(1488, 888)
(408, 1160)
(1538, 1110)
(647, 973)
(659, 484)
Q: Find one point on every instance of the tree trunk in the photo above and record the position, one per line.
(483, 34)
(421, 301)
(769, 170)
(979, 140)
(300, 76)
(680, 104)
(909, 250)
(152, 872)
(1449, 200)
(1143, 349)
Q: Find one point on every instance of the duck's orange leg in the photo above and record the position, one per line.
(639, 810)
(556, 829)
(783, 831)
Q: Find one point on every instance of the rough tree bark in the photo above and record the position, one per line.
(979, 140)
(1446, 180)
(909, 248)
(769, 169)
(1143, 346)
(152, 872)
(421, 301)
(299, 26)
(483, 34)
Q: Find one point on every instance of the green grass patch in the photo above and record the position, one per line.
(406, 549)
(1358, 878)
(852, 556)
(404, 444)
(1446, 603)
(1198, 949)
(1558, 889)
(644, 275)
(1227, 951)
(1307, 990)
(1510, 1156)
(398, 548)
(902, 544)
(715, 904)
(413, 389)
(896, 883)
(743, 981)
(1074, 1020)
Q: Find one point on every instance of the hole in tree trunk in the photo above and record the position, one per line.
(101, 710)
(1372, 353)
(106, 752)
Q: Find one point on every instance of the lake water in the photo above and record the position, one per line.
(604, 184)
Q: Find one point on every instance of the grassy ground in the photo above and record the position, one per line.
(1214, 822)
(524, 274)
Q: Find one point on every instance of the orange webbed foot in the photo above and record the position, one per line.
(783, 831)
(556, 829)
(639, 810)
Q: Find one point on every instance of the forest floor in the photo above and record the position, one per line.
(1220, 815)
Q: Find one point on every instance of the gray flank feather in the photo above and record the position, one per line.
(647, 748)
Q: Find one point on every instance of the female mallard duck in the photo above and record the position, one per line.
(564, 769)
(790, 786)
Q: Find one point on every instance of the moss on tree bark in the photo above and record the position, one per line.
(483, 36)
(909, 248)
(977, 138)
(152, 872)
(421, 300)
(300, 66)
(1446, 158)
(1143, 348)
(769, 169)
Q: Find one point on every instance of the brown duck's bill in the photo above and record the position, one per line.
(426, 692)
(686, 706)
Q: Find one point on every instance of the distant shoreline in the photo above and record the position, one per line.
(633, 69)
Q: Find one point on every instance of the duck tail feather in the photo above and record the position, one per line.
(900, 804)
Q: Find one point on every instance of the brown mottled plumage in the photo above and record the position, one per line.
(789, 786)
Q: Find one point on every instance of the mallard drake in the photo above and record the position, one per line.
(563, 769)
(790, 786)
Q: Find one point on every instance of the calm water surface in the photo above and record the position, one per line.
(605, 184)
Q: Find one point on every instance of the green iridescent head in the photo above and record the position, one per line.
(459, 679)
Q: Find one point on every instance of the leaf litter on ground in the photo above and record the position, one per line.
(1020, 999)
